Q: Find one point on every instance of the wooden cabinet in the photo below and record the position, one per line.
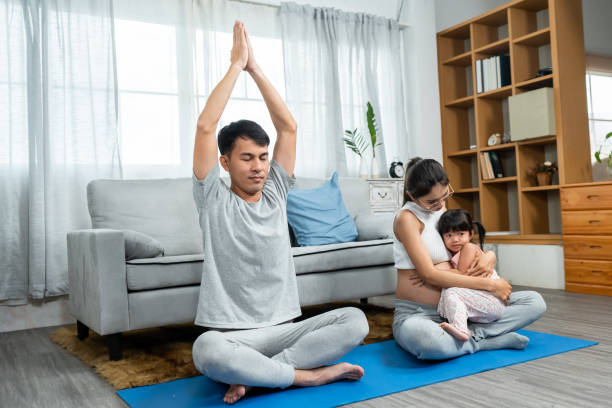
(587, 237)
(533, 34)
(386, 194)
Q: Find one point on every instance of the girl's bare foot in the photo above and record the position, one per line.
(328, 374)
(455, 332)
(234, 393)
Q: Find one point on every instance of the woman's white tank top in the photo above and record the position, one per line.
(430, 235)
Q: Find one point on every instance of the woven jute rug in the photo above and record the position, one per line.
(163, 354)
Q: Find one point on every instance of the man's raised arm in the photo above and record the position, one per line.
(284, 123)
(205, 149)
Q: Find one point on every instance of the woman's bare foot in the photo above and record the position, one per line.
(455, 332)
(234, 393)
(328, 374)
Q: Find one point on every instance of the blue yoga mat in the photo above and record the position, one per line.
(388, 369)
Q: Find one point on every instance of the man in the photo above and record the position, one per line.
(249, 290)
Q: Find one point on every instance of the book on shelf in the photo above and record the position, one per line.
(492, 73)
(496, 164)
(486, 167)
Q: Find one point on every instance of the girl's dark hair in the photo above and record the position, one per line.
(421, 176)
(460, 220)
(242, 128)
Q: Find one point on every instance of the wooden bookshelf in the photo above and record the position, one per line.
(534, 33)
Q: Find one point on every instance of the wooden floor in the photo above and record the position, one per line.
(34, 372)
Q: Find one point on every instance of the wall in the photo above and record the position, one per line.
(597, 19)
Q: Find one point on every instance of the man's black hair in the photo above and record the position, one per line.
(242, 128)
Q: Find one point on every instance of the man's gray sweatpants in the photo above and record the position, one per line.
(268, 357)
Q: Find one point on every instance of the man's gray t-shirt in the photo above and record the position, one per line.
(248, 278)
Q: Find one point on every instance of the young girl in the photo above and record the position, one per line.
(458, 305)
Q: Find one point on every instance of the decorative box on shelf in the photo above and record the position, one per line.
(386, 194)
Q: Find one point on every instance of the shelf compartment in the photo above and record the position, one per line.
(528, 17)
(460, 153)
(535, 39)
(541, 212)
(490, 119)
(468, 201)
(499, 206)
(501, 180)
(454, 42)
(463, 171)
(532, 152)
(498, 47)
(528, 60)
(458, 129)
(499, 93)
(537, 82)
(490, 28)
(461, 60)
(456, 82)
(465, 102)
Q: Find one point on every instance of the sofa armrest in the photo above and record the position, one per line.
(97, 276)
(371, 227)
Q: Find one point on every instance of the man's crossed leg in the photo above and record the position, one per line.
(283, 355)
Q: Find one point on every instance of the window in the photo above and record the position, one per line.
(158, 106)
(599, 101)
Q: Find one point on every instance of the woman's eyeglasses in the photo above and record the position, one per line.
(430, 204)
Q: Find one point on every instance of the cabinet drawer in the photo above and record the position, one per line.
(587, 222)
(587, 247)
(385, 194)
(591, 272)
(587, 198)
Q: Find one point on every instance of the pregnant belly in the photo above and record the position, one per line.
(408, 290)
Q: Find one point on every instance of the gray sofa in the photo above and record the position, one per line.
(111, 295)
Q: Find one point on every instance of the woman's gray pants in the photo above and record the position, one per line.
(416, 327)
(268, 357)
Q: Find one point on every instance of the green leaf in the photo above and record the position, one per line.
(609, 135)
(597, 157)
(610, 160)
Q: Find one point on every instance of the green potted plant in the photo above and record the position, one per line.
(598, 153)
(358, 144)
(544, 172)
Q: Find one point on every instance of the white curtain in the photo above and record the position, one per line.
(58, 115)
(171, 54)
(335, 62)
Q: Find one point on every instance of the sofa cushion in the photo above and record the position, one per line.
(322, 258)
(318, 216)
(164, 272)
(139, 245)
(162, 209)
(371, 227)
(355, 191)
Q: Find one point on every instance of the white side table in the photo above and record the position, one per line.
(386, 194)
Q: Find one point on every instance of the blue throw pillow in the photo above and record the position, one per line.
(319, 217)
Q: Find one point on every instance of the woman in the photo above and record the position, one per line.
(422, 266)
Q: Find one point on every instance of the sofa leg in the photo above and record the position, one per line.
(113, 341)
(363, 301)
(82, 331)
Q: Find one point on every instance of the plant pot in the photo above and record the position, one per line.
(375, 168)
(544, 179)
(364, 172)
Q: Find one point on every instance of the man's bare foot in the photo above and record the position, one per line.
(234, 393)
(328, 374)
(455, 332)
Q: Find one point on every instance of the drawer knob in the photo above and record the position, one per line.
(382, 195)
(594, 221)
(595, 246)
(592, 196)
